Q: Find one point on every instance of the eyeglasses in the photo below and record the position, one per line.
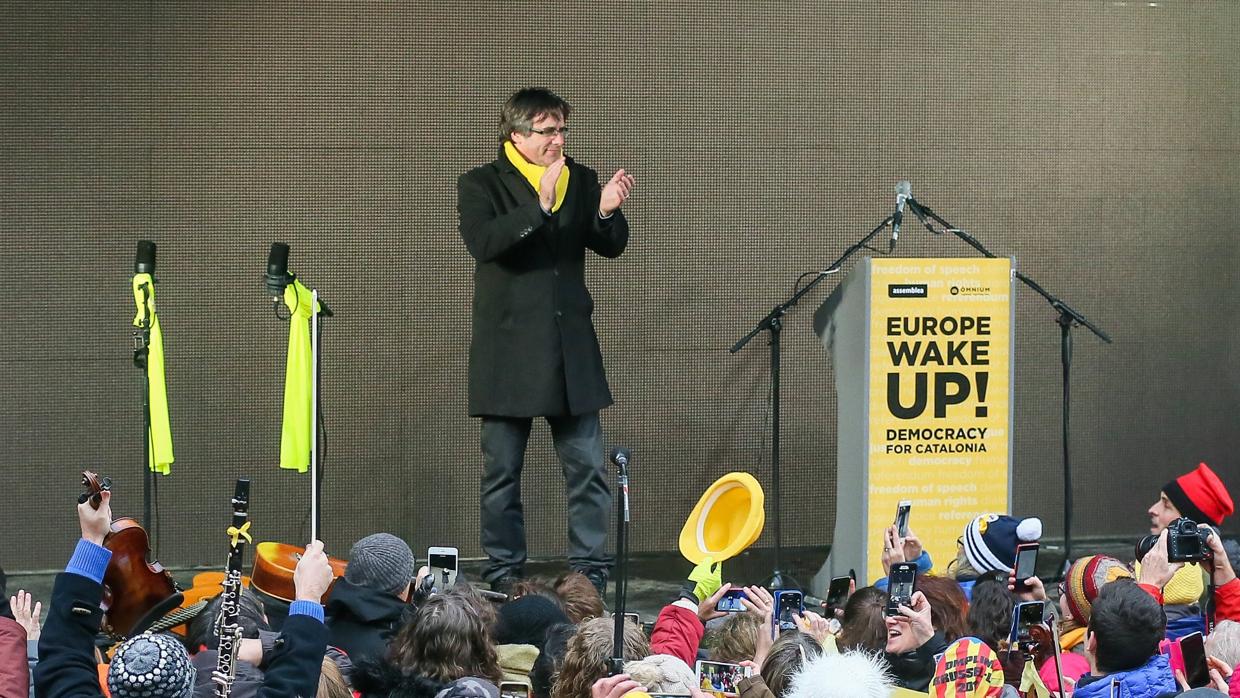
(550, 131)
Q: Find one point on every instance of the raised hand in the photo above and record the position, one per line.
(615, 192)
(919, 618)
(27, 615)
(613, 686)
(313, 574)
(96, 523)
(893, 549)
(707, 607)
(546, 185)
(1223, 572)
(1155, 568)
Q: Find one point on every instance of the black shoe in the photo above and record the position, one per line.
(504, 584)
(598, 578)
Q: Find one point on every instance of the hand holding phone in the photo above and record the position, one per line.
(1188, 656)
(789, 603)
(731, 601)
(1026, 566)
(838, 593)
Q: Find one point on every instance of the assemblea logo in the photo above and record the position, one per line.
(907, 291)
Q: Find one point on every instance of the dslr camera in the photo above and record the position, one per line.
(1185, 542)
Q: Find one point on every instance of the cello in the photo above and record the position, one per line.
(136, 592)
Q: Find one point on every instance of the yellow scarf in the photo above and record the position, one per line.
(533, 173)
(160, 435)
(297, 428)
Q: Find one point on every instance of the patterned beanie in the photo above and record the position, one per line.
(151, 666)
(381, 562)
(968, 668)
(1085, 579)
(990, 541)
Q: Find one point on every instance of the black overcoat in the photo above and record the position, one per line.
(534, 351)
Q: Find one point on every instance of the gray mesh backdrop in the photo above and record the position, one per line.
(1095, 141)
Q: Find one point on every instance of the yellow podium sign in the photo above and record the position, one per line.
(939, 409)
(922, 352)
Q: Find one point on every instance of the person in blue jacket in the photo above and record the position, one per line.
(1122, 642)
(157, 666)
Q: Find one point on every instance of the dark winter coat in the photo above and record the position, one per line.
(913, 670)
(361, 621)
(534, 351)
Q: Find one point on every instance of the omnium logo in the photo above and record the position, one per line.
(906, 290)
(970, 290)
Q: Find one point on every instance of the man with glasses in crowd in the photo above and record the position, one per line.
(527, 218)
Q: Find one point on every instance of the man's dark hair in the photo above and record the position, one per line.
(1128, 624)
(201, 631)
(525, 106)
(990, 609)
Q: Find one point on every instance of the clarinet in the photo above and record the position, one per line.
(226, 625)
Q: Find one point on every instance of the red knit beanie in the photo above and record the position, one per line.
(1200, 496)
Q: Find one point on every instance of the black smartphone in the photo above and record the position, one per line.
(788, 602)
(1026, 564)
(901, 583)
(730, 602)
(902, 518)
(837, 593)
(1193, 652)
(1025, 616)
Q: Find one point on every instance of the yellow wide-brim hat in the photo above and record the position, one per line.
(726, 520)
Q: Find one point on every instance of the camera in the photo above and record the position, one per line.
(1185, 543)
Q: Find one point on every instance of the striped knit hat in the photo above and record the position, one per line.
(990, 541)
(968, 668)
(1085, 579)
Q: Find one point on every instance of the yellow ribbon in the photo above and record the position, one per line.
(296, 431)
(159, 437)
(533, 173)
(235, 534)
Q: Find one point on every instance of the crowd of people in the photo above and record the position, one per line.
(381, 631)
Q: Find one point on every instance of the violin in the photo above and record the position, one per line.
(274, 564)
(136, 592)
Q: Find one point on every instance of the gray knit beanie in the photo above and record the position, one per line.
(382, 562)
(151, 666)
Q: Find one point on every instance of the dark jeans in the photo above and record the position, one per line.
(579, 444)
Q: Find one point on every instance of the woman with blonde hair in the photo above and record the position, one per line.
(588, 653)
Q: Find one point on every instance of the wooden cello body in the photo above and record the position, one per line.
(136, 592)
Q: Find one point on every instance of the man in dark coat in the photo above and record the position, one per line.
(527, 219)
(365, 608)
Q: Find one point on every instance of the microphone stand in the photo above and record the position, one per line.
(316, 360)
(622, 552)
(1067, 319)
(773, 323)
(141, 355)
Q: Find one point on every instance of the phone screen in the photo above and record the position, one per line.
(1028, 614)
(1026, 563)
(443, 562)
(787, 604)
(900, 585)
(902, 518)
(513, 689)
(1193, 650)
(837, 593)
(730, 602)
(720, 677)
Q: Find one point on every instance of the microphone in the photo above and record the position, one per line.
(903, 191)
(620, 456)
(277, 271)
(144, 259)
